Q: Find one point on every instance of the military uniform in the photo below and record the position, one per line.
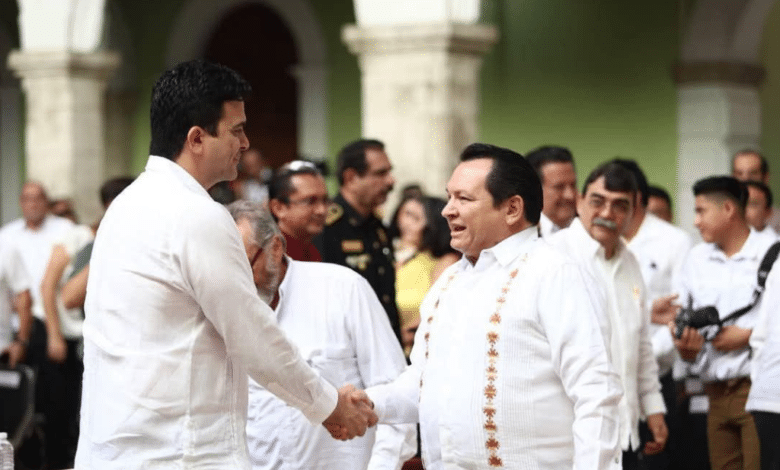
(361, 243)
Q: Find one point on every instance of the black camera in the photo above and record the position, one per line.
(695, 318)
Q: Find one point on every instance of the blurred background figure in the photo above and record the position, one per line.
(555, 167)
(253, 177)
(759, 208)
(298, 202)
(659, 203)
(421, 239)
(63, 208)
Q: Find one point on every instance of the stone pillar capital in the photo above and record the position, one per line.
(98, 66)
(718, 73)
(456, 38)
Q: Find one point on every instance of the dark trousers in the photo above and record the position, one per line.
(630, 459)
(690, 451)
(57, 398)
(663, 460)
(768, 427)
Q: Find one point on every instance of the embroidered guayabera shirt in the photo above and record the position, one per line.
(509, 366)
(173, 326)
(632, 352)
(334, 317)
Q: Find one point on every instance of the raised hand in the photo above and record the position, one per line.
(664, 309)
(352, 416)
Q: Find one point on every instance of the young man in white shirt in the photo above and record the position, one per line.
(334, 318)
(595, 240)
(722, 272)
(173, 322)
(555, 167)
(509, 367)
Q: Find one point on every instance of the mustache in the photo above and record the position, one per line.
(604, 223)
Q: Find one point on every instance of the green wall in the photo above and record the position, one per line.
(593, 76)
(768, 93)
(149, 25)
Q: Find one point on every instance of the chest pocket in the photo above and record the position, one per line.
(337, 364)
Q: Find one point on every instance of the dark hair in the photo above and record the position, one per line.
(540, 157)
(436, 234)
(353, 155)
(191, 94)
(763, 188)
(280, 187)
(761, 158)
(659, 192)
(639, 177)
(616, 178)
(111, 189)
(723, 187)
(510, 175)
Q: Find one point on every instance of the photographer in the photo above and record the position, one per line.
(722, 273)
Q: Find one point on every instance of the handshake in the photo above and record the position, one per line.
(354, 413)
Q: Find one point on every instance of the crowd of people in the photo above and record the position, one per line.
(522, 322)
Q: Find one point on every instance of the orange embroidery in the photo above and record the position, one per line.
(492, 444)
(427, 335)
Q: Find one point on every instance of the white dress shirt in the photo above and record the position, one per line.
(509, 366)
(660, 248)
(726, 283)
(333, 316)
(546, 226)
(13, 281)
(765, 341)
(631, 350)
(35, 247)
(173, 326)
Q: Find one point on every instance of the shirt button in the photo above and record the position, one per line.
(381, 270)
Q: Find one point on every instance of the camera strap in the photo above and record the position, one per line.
(763, 273)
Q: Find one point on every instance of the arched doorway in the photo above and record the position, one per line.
(253, 40)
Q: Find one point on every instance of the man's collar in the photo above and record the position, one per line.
(351, 214)
(508, 249)
(157, 164)
(750, 249)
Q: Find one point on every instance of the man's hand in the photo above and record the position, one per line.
(664, 309)
(689, 344)
(56, 349)
(731, 338)
(658, 428)
(15, 352)
(353, 414)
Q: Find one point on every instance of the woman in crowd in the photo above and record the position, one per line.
(421, 239)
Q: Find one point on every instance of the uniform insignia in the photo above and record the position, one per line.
(352, 246)
(335, 212)
(635, 292)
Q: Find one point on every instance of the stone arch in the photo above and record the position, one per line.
(195, 22)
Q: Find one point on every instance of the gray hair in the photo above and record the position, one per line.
(264, 229)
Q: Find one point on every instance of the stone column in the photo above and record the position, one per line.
(420, 93)
(718, 114)
(65, 129)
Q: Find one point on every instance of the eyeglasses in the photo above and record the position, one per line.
(312, 201)
(261, 246)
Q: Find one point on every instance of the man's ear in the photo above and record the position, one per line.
(275, 206)
(514, 210)
(349, 175)
(194, 140)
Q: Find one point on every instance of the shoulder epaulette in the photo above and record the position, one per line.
(335, 212)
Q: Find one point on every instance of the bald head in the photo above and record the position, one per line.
(34, 203)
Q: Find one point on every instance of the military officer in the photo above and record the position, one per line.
(353, 235)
